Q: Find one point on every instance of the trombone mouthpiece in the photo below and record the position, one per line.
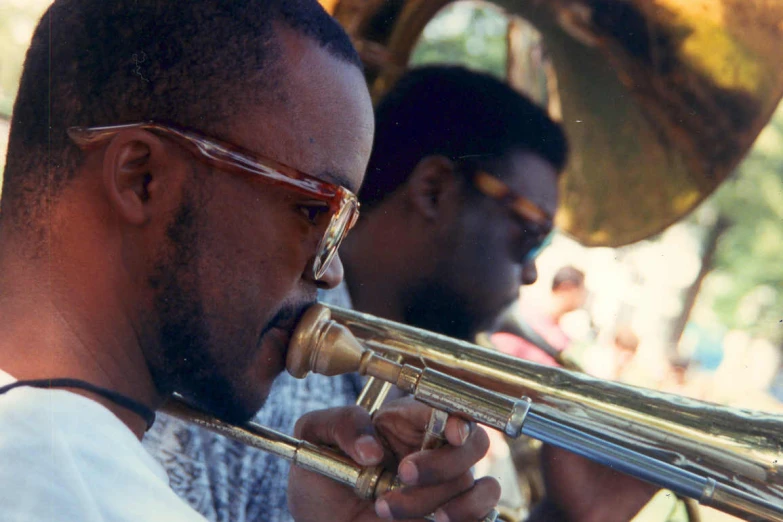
(321, 345)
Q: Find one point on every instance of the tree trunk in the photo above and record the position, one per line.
(707, 262)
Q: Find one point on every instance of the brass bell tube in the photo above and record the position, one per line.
(728, 459)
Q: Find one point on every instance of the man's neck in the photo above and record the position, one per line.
(44, 335)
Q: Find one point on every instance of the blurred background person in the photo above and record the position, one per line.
(458, 201)
(513, 334)
(744, 377)
(612, 361)
(677, 379)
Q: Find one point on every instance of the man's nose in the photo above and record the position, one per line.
(333, 275)
(529, 273)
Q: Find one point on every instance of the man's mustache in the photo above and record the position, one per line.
(288, 316)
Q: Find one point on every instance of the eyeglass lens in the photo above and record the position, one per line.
(333, 236)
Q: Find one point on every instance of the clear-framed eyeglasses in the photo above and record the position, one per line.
(343, 205)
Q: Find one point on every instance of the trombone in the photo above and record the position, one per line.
(728, 459)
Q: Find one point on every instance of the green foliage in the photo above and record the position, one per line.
(17, 21)
(465, 33)
(745, 289)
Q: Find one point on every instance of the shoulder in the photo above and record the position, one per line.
(66, 457)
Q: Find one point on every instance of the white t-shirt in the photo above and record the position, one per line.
(64, 457)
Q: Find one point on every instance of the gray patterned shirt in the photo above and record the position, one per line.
(229, 482)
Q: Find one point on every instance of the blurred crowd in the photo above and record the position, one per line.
(742, 378)
(559, 320)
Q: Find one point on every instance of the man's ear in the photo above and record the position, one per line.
(133, 164)
(432, 183)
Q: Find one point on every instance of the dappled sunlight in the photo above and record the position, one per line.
(17, 22)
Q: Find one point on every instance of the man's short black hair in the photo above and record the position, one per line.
(457, 113)
(195, 63)
(568, 275)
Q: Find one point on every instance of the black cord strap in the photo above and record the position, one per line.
(117, 398)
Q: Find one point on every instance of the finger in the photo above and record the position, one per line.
(415, 502)
(349, 428)
(445, 463)
(473, 505)
(458, 430)
(406, 413)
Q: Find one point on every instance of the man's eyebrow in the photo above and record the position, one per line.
(338, 179)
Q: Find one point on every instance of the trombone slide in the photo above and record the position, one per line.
(367, 482)
(300, 453)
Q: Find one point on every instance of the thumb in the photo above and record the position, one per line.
(349, 428)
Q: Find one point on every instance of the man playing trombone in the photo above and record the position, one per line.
(179, 177)
(458, 200)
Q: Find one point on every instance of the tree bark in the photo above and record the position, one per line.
(722, 224)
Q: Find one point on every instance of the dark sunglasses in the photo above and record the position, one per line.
(538, 224)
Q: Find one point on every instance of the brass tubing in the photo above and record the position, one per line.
(320, 345)
(490, 409)
(367, 482)
(328, 463)
(376, 390)
(323, 346)
(373, 394)
(559, 431)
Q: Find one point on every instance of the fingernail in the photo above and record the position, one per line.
(382, 509)
(464, 431)
(369, 450)
(441, 516)
(409, 473)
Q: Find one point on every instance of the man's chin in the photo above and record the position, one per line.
(225, 406)
(238, 414)
(490, 320)
(233, 413)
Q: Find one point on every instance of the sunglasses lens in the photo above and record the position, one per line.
(533, 253)
(338, 227)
